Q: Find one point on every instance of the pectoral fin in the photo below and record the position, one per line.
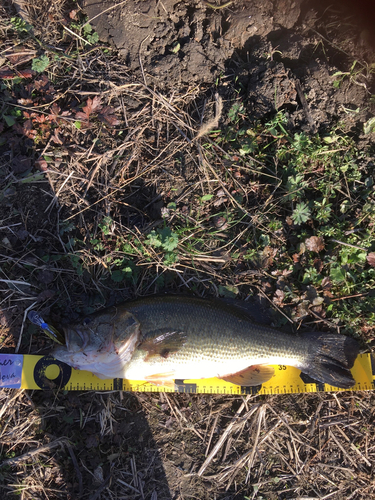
(253, 375)
(166, 379)
(163, 344)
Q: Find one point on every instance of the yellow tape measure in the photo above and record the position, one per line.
(45, 372)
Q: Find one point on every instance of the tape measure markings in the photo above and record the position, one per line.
(45, 372)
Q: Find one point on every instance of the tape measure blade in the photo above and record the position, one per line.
(33, 371)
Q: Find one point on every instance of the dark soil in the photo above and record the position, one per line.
(277, 51)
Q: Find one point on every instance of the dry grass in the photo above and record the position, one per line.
(316, 446)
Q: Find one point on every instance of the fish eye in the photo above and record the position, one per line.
(86, 321)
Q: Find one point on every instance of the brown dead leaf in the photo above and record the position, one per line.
(7, 74)
(22, 234)
(92, 106)
(107, 115)
(25, 102)
(278, 298)
(40, 118)
(80, 115)
(42, 165)
(302, 310)
(45, 87)
(318, 264)
(92, 441)
(21, 56)
(326, 283)
(314, 244)
(54, 111)
(56, 138)
(28, 130)
(326, 287)
(371, 259)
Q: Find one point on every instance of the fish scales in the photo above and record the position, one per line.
(163, 338)
(215, 332)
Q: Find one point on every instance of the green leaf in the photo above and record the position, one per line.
(9, 120)
(40, 64)
(170, 258)
(94, 38)
(295, 186)
(117, 276)
(106, 225)
(78, 125)
(163, 238)
(20, 25)
(301, 213)
(229, 291)
(337, 274)
(153, 239)
(206, 197)
(87, 28)
(39, 176)
(169, 239)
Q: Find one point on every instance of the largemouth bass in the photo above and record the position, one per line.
(163, 338)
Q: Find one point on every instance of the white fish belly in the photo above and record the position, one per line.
(138, 369)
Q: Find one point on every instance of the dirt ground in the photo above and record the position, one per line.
(262, 45)
(173, 70)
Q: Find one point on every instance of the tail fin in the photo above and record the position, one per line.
(330, 359)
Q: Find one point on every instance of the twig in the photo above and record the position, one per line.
(353, 447)
(346, 454)
(348, 245)
(218, 7)
(140, 59)
(262, 411)
(350, 296)
(55, 198)
(76, 35)
(104, 11)
(76, 468)
(32, 453)
(128, 485)
(23, 325)
(275, 306)
(226, 433)
(211, 434)
(101, 488)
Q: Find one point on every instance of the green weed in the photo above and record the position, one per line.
(22, 27)
(40, 64)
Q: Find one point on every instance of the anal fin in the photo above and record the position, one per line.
(166, 379)
(253, 375)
